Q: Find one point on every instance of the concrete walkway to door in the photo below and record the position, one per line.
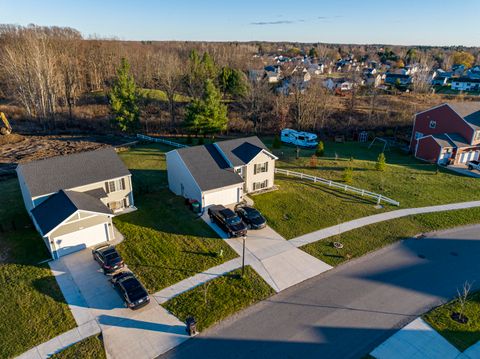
(275, 259)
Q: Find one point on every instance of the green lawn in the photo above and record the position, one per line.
(369, 238)
(33, 308)
(461, 336)
(300, 207)
(91, 347)
(215, 300)
(164, 241)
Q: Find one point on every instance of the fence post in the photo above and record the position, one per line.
(363, 191)
(379, 199)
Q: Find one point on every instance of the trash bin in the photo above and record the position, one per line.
(196, 207)
(191, 326)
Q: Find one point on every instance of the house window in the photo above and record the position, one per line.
(239, 171)
(260, 185)
(418, 135)
(260, 168)
(116, 185)
(477, 136)
(117, 205)
(433, 124)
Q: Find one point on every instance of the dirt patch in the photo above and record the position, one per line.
(21, 149)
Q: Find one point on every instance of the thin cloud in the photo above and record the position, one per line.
(279, 22)
(288, 22)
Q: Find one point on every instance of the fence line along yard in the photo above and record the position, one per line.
(161, 140)
(378, 197)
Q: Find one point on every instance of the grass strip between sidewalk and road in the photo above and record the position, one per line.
(462, 336)
(363, 240)
(213, 301)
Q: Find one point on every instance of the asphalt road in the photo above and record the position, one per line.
(348, 311)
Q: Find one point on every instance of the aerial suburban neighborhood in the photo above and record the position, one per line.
(250, 180)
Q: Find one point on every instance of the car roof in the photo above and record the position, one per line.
(227, 212)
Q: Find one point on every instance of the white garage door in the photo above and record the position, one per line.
(76, 241)
(224, 196)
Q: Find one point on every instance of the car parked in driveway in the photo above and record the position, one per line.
(251, 217)
(228, 221)
(473, 165)
(108, 258)
(132, 291)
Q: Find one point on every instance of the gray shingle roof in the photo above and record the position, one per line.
(208, 167)
(61, 205)
(443, 140)
(241, 151)
(65, 172)
(470, 111)
(458, 140)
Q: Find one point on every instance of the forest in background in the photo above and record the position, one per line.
(53, 79)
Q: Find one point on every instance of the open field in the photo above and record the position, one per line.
(164, 241)
(300, 207)
(215, 300)
(91, 347)
(375, 236)
(33, 309)
(461, 336)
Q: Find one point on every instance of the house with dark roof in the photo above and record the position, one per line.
(72, 199)
(448, 133)
(222, 172)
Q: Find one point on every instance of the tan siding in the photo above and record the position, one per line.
(251, 177)
(78, 225)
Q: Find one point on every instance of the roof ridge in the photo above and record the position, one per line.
(67, 155)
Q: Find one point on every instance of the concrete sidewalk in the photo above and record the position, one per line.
(62, 341)
(166, 294)
(376, 218)
(275, 259)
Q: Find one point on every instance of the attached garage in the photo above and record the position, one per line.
(71, 221)
(81, 239)
(223, 196)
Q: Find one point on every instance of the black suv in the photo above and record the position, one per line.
(251, 217)
(228, 221)
(108, 258)
(131, 290)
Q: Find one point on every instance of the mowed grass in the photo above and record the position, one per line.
(372, 237)
(91, 347)
(461, 336)
(213, 301)
(33, 309)
(300, 207)
(164, 241)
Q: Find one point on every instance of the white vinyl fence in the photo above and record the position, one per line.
(378, 197)
(160, 140)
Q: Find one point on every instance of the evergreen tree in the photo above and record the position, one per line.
(232, 82)
(277, 143)
(381, 164)
(124, 99)
(320, 150)
(207, 115)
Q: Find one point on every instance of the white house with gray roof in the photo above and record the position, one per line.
(222, 172)
(72, 199)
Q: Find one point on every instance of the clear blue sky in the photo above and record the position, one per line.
(425, 22)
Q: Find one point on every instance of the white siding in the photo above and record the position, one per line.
(180, 180)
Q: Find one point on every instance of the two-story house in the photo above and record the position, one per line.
(72, 199)
(448, 133)
(222, 172)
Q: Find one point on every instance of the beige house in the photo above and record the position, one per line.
(222, 172)
(72, 199)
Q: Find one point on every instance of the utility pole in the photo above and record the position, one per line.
(243, 256)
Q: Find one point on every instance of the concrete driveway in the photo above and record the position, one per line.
(280, 263)
(348, 311)
(142, 333)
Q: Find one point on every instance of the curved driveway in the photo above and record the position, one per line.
(348, 311)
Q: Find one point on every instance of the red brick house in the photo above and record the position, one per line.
(447, 134)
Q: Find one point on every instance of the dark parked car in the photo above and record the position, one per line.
(131, 290)
(228, 221)
(251, 217)
(108, 258)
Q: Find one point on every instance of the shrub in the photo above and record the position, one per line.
(320, 150)
(200, 141)
(276, 142)
(381, 164)
(313, 161)
(348, 175)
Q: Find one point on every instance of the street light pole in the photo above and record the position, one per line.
(243, 256)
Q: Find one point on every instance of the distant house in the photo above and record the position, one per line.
(448, 133)
(222, 172)
(272, 77)
(72, 199)
(474, 72)
(398, 79)
(466, 84)
(458, 70)
(338, 83)
(373, 80)
(369, 71)
(439, 81)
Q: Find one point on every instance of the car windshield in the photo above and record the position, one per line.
(233, 220)
(134, 289)
(113, 258)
